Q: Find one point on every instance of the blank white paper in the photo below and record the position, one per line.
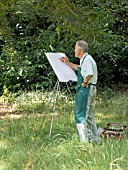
(62, 71)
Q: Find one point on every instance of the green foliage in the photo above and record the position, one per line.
(29, 27)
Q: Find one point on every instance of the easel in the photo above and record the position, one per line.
(56, 92)
(62, 77)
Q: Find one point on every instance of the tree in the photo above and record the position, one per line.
(29, 27)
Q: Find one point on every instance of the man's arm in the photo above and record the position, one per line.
(70, 64)
(86, 81)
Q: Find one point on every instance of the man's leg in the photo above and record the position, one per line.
(81, 132)
(91, 128)
(81, 102)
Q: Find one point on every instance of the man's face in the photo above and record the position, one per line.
(77, 51)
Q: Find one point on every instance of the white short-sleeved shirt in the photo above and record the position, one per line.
(89, 67)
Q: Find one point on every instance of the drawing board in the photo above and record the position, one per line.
(62, 71)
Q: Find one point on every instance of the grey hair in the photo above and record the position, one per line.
(82, 45)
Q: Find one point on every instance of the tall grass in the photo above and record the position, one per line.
(25, 142)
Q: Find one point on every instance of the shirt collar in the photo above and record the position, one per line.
(82, 58)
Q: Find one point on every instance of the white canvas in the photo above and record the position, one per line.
(62, 71)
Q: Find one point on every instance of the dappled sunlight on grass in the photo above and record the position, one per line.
(26, 144)
(3, 165)
(3, 144)
(109, 116)
(103, 119)
(112, 108)
(3, 148)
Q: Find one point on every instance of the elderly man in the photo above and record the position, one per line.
(85, 92)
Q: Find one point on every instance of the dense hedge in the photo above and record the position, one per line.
(29, 27)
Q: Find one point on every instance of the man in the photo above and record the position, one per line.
(85, 92)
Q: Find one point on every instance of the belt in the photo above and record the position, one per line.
(92, 84)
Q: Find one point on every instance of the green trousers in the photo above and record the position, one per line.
(86, 124)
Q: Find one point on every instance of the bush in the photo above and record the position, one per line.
(28, 28)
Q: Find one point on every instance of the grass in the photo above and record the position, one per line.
(25, 142)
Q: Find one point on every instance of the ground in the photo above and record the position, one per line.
(7, 111)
